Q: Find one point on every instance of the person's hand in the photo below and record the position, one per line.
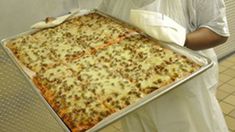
(159, 26)
(52, 22)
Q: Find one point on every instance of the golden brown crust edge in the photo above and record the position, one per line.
(63, 114)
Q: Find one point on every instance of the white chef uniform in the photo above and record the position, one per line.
(193, 106)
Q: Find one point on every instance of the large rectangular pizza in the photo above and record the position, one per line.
(90, 67)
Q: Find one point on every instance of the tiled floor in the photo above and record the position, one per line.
(225, 95)
(226, 91)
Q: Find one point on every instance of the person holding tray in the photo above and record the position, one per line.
(201, 25)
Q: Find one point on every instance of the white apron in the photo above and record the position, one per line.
(191, 107)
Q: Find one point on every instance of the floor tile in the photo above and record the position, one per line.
(229, 72)
(231, 59)
(230, 99)
(232, 82)
(227, 88)
(233, 67)
(109, 129)
(232, 114)
(117, 125)
(226, 63)
(222, 68)
(227, 108)
(220, 83)
(231, 123)
(224, 77)
(220, 95)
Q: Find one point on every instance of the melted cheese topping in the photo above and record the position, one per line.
(91, 67)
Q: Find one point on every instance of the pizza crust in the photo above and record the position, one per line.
(90, 67)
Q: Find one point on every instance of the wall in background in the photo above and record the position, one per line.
(18, 15)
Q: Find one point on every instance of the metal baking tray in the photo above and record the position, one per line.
(205, 63)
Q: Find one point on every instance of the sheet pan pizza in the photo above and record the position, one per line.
(90, 67)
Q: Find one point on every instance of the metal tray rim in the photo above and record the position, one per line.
(35, 89)
(116, 116)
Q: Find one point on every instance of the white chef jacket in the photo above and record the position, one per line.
(192, 107)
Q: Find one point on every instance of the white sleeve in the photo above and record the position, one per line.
(212, 14)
